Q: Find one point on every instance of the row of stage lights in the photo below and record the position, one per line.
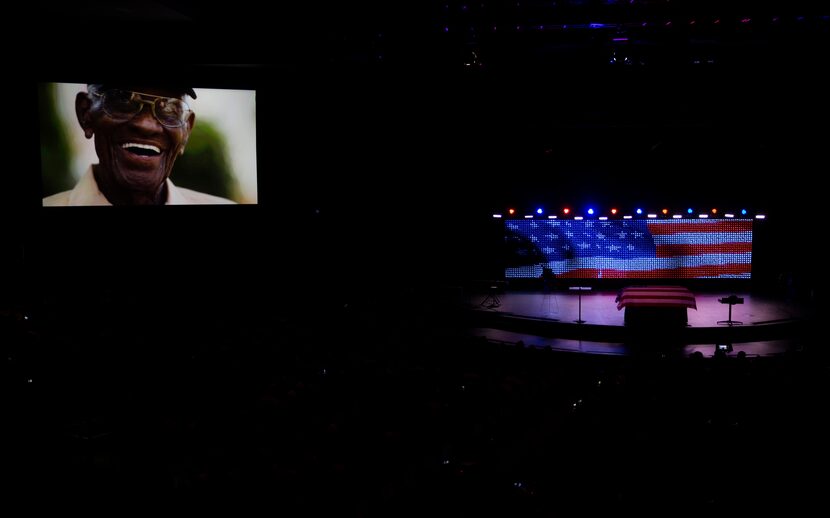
(740, 21)
(567, 212)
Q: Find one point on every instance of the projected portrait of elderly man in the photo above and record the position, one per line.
(139, 133)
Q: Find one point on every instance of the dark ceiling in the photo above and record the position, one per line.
(449, 34)
(559, 90)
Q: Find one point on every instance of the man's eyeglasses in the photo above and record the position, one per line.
(125, 104)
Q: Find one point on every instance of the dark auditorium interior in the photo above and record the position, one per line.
(316, 349)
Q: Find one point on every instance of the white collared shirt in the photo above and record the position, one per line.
(86, 193)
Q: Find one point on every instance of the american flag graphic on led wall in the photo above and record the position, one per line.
(630, 249)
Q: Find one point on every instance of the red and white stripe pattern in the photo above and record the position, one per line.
(656, 296)
(705, 248)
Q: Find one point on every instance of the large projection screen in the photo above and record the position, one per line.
(629, 249)
(220, 157)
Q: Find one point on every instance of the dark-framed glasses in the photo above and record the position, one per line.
(126, 104)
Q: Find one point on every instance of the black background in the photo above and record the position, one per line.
(383, 148)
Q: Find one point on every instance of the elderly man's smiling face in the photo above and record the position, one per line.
(139, 132)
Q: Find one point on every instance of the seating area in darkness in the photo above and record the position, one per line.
(380, 413)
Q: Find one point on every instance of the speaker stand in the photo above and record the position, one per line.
(730, 322)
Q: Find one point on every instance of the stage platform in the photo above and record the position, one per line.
(769, 325)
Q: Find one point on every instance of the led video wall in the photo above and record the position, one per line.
(629, 249)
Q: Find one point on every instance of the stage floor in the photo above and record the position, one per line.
(561, 310)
